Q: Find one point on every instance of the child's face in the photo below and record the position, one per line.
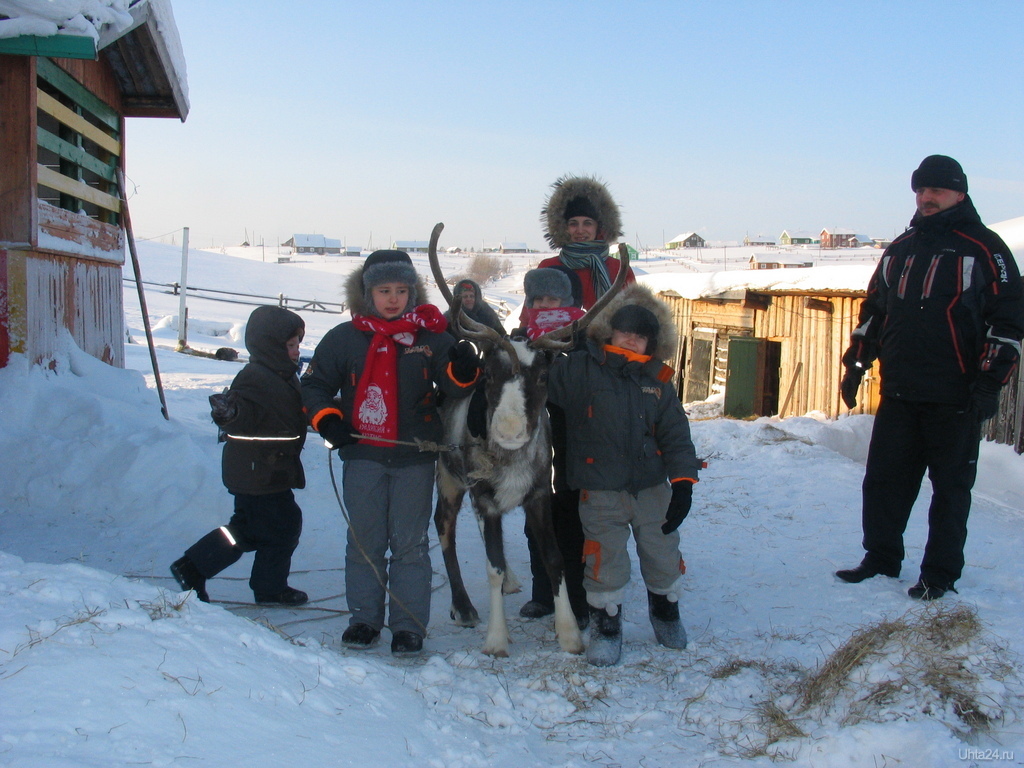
(292, 346)
(546, 302)
(634, 342)
(389, 299)
(468, 299)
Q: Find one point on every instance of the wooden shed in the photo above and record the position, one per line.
(772, 352)
(62, 143)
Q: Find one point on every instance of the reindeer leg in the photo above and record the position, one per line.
(446, 514)
(496, 643)
(538, 516)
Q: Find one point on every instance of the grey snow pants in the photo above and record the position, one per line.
(607, 518)
(389, 509)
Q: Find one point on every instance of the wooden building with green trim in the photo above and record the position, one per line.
(63, 104)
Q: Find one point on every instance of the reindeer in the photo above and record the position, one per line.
(510, 467)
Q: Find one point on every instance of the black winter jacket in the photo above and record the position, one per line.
(329, 386)
(944, 307)
(265, 437)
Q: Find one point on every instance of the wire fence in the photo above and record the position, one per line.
(249, 299)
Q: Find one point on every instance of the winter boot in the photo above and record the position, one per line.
(188, 577)
(406, 643)
(287, 596)
(605, 646)
(360, 637)
(535, 609)
(668, 629)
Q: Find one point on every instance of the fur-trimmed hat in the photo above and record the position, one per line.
(941, 172)
(579, 196)
(632, 318)
(382, 267)
(547, 282)
(663, 347)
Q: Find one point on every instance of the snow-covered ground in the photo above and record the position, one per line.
(104, 663)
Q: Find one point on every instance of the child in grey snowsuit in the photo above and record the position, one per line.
(371, 391)
(265, 428)
(631, 457)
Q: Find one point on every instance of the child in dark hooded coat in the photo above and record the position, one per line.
(631, 458)
(265, 428)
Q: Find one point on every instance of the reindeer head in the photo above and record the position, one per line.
(516, 372)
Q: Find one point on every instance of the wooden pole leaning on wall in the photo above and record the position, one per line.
(127, 221)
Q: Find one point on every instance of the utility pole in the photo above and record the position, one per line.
(182, 309)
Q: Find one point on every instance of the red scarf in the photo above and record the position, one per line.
(541, 321)
(375, 408)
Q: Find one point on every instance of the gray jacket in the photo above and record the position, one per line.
(627, 429)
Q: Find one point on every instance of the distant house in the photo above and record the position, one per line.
(881, 242)
(797, 237)
(64, 100)
(776, 262)
(513, 248)
(758, 240)
(411, 246)
(313, 244)
(686, 240)
(838, 238)
(353, 250)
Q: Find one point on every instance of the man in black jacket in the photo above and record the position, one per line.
(944, 316)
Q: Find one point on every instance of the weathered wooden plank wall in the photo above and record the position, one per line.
(49, 293)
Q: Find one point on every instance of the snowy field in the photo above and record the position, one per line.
(104, 663)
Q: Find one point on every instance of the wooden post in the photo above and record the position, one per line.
(792, 386)
(142, 293)
(182, 309)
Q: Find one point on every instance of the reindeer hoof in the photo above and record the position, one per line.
(498, 653)
(465, 618)
(571, 646)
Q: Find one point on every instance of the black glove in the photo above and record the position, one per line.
(223, 406)
(985, 399)
(465, 362)
(679, 506)
(476, 418)
(850, 386)
(336, 431)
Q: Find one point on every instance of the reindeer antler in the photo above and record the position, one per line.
(555, 339)
(435, 268)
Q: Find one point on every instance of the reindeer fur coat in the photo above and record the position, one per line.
(626, 427)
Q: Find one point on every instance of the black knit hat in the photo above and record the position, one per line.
(632, 318)
(941, 172)
(581, 206)
(389, 267)
(547, 282)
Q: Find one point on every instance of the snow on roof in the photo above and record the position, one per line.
(1012, 232)
(309, 241)
(832, 279)
(67, 17)
(105, 21)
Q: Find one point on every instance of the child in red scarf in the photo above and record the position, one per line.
(371, 392)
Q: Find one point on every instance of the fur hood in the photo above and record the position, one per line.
(600, 329)
(567, 189)
(355, 296)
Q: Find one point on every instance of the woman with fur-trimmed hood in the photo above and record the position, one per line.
(371, 392)
(581, 220)
(630, 455)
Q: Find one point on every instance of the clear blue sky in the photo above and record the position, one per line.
(379, 119)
